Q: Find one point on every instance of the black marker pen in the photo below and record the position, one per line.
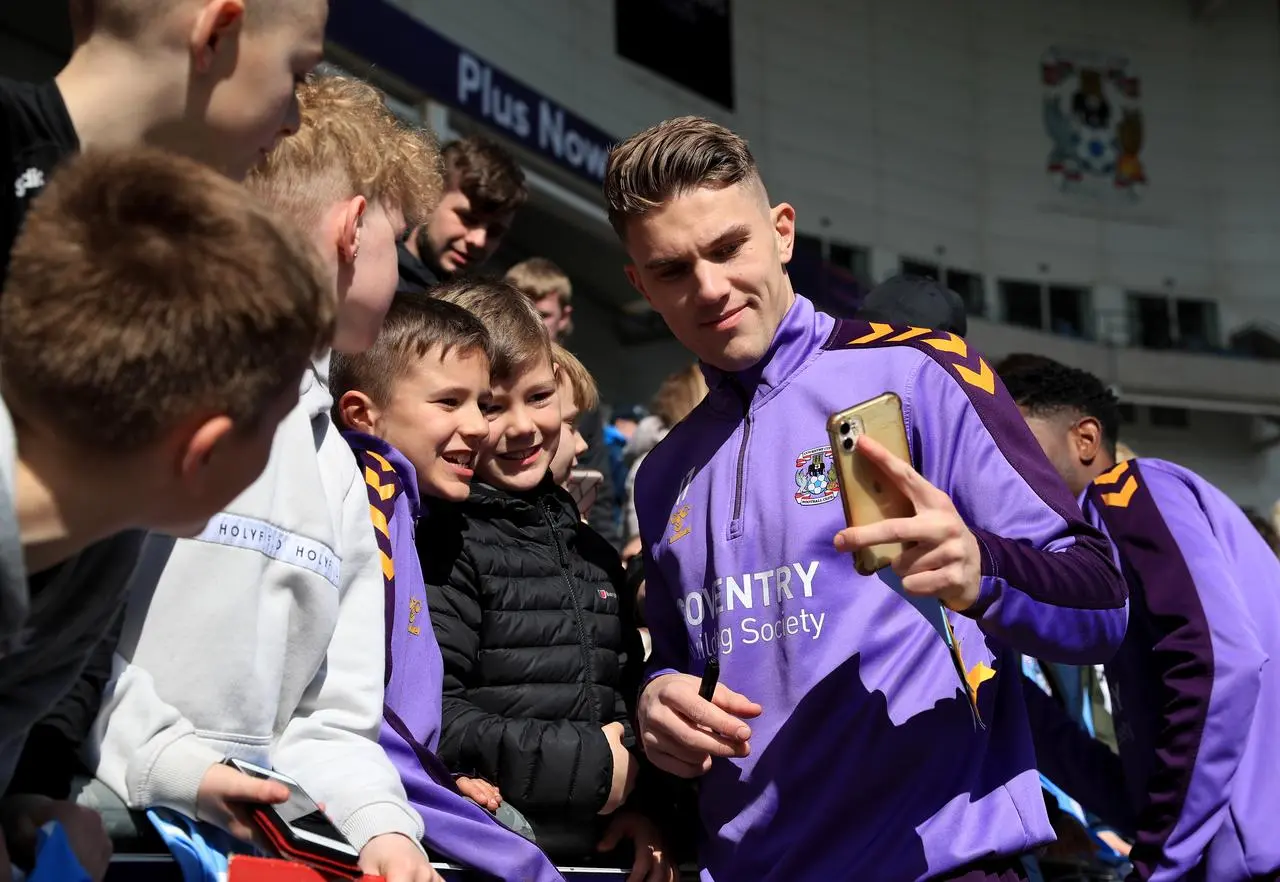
(710, 677)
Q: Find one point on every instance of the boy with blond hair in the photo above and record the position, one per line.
(156, 319)
(211, 79)
(550, 292)
(284, 587)
(578, 393)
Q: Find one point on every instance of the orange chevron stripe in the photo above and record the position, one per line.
(878, 330)
(386, 491)
(386, 466)
(1121, 498)
(951, 343)
(379, 521)
(983, 378)
(1112, 476)
(909, 334)
(388, 567)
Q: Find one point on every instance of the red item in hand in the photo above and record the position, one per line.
(251, 869)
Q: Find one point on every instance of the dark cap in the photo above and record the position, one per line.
(633, 412)
(916, 302)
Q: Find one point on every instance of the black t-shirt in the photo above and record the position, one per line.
(38, 134)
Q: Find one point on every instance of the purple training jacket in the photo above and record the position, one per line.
(867, 762)
(1196, 703)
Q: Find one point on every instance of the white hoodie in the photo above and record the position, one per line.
(262, 639)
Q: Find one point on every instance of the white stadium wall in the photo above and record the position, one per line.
(917, 129)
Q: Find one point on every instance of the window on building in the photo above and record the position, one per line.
(806, 269)
(1169, 417)
(924, 269)
(1023, 303)
(857, 261)
(1197, 324)
(971, 288)
(1159, 322)
(1069, 311)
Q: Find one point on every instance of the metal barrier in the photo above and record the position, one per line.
(163, 868)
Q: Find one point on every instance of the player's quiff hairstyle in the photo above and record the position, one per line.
(349, 144)
(1047, 388)
(416, 326)
(586, 394)
(670, 159)
(520, 339)
(146, 289)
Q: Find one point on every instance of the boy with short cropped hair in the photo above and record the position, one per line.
(284, 587)
(211, 79)
(550, 292)
(535, 691)
(484, 187)
(156, 319)
(410, 408)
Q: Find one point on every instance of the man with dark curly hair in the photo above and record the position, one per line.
(1197, 707)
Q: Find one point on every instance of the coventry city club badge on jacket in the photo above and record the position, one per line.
(816, 477)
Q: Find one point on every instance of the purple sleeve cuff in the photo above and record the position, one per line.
(1066, 605)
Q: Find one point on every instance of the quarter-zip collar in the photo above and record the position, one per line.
(801, 336)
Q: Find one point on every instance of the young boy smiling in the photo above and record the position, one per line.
(524, 599)
(410, 409)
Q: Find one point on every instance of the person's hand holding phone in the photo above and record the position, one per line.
(682, 732)
(226, 796)
(942, 559)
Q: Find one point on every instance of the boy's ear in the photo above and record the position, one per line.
(352, 228)
(357, 411)
(217, 21)
(201, 442)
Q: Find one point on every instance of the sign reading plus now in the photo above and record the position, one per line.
(528, 117)
(396, 41)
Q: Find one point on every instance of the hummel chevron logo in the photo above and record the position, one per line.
(1121, 497)
(877, 332)
(981, 377)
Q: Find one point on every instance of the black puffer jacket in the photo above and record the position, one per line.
(540, 651)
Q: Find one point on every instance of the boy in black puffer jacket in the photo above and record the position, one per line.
(541, 655)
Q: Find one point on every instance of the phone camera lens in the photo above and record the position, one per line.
(847, 444)
(844, 428)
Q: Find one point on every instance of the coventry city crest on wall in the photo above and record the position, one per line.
(1093, 118)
